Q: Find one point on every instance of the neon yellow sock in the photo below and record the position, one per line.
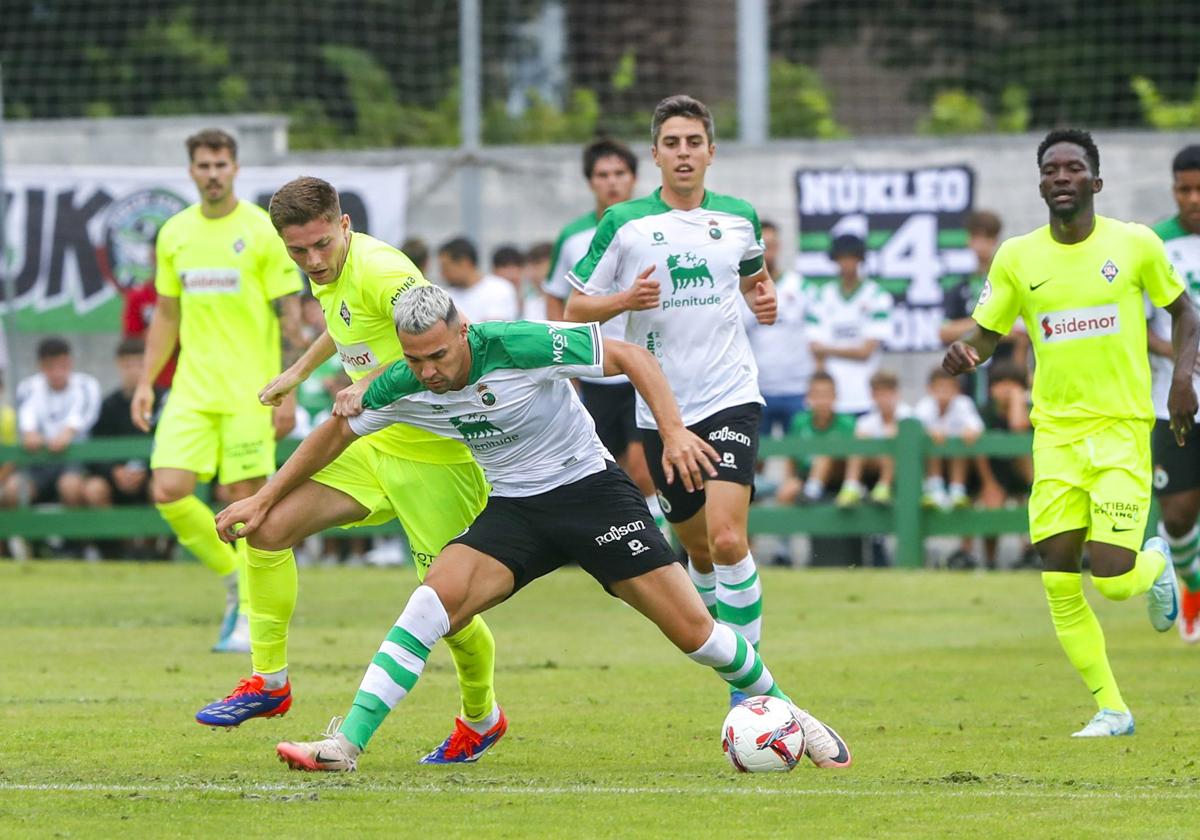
(243, 578)
(474, 651)
(273, 589)
(1081, 638)
(1147, 566)
(192, 522)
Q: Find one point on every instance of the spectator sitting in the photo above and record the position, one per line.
(55, 407)
(533, 295)
(479, 296)
(126, 482)
(946, 413)
(882, 421)
(848, 321)
(1004, 480)
(808, 477)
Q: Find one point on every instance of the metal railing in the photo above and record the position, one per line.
(905, 517)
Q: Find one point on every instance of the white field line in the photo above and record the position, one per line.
(968, 790)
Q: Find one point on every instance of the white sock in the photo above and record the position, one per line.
(706, 585)
(480, 727)
(275, 680)
(813, 489)
(655, 507)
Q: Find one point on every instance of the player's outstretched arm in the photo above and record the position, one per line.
(643, 294)
(684, 453)
(312, 358)
(160, 344)
(1185, 332)
(973, 349)
(324, 444)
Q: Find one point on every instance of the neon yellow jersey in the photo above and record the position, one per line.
(1083, 307)
(225, 273)
(358, 314)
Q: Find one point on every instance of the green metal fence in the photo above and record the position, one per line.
(905, 517)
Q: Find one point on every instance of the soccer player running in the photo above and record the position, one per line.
(431, 484)
(708, 247)
(1176, 469)
(1078, 283)
(611, 171)
(557, 496)
(228, 295)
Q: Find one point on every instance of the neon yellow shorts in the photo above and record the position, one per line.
(1100, 482)
(434, 502)
(233, 447)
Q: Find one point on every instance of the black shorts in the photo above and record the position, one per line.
(613, 408)
(1176, 468)
(601, 522)
(733, 432)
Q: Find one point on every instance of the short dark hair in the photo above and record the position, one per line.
(847, 245)
(211, 138)
(1005, 370)
(539, 251)
(131, 346)
(682, 105)
(507, 255)
(607, 147)
(53, 347)
(460, 248)
(984, 223)
(885, 380)
(1076, 136)
(767, 224)
(416, 250)
(939, 373)
(821, 376)
(303, 200)
(1187, 159)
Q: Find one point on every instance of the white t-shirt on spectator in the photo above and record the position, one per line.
(533, 307)
(872, 425)
(491, 299)
(960, 416)
(43, 410)
(781, 350)
(839, 321)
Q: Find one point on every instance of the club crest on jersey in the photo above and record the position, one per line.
(1109, 270)
(486, 396)
(239, 245)
(345, 313)
(713, 230)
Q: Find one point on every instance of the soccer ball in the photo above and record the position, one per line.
(762, 734)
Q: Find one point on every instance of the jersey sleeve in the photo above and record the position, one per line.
(879, 316)
(280, 276)
(999, 300)
(393, 384)
(166, 278)
(1159, 277)
(598, 271)
(752, 258)
(560, 350)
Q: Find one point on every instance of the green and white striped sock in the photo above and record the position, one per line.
(1184, 554)
(737, 662)
(739, 598)
(397, 666)
(706, 585)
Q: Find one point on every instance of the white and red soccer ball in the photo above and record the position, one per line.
(762, 735)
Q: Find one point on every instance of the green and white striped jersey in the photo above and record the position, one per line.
(517, 414)
(1183, 249)
(696, 331)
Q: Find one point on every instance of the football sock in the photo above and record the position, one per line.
(240, 550)
(273, 586)
(814, 489)
(474, 652)
(737, 662)
(706, 585)
(274, 681)
(397, 666)
(1081, 638)
(481, 726)
(1147, 566)
(739, 598)
(1184, 552)
(192, 522)
(655, 509)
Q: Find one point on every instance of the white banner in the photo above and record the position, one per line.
(79, 236)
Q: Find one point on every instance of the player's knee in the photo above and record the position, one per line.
(727, 544)
(270, 536)
(164, 491)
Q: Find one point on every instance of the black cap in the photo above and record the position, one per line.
(848, 245)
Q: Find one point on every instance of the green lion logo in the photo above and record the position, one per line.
(474, 426)
(688, 272)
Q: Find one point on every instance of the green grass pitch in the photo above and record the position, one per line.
(950, 689)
